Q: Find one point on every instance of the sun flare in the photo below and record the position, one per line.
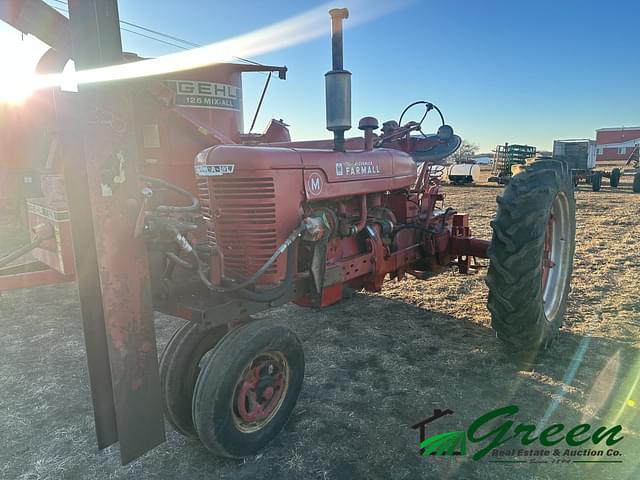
(15, 88)
(18, 58)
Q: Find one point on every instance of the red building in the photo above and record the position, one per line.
(617, 143)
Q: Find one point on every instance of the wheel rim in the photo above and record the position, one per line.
(556, 257)
(260, 391)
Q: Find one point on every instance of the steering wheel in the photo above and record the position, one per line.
(428, 106)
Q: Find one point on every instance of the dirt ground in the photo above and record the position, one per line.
(375, 365)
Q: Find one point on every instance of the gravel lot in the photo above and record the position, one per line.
(376, 364)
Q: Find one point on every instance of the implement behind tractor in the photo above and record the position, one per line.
(632, 167)
(256, 222)
(580, 157)
(507, 157)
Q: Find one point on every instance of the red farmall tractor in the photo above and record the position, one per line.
(260, 221)
(305, 225)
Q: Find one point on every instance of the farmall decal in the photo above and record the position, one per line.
(213, 170)
(206, 94)
(357, 168)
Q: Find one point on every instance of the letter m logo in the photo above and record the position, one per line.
(314, 184)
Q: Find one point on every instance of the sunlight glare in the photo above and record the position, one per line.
(15, 87)
(287, 33)
(18, 58)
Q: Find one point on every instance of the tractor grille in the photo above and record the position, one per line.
(205, 208)
(242, 221)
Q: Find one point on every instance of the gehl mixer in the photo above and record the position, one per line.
(266, 221)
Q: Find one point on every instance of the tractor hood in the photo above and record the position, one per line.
(327, 174)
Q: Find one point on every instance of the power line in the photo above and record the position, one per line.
(156, 32)
(146, 29)
(153, 38)
(170, 37)
(134, 32)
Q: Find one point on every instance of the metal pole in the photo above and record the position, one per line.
(87, 275)
(104, 201)
(39, 19)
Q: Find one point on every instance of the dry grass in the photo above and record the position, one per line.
(376, 364)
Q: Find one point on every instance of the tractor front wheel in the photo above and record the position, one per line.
(636, 183)
(531, 256)
(247, 388)
(179, 369)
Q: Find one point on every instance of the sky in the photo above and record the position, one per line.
(501, 71)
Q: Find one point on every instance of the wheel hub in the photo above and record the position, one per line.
(556, 256)
(547, 263)
(260, 391)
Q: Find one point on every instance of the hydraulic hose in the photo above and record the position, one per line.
(277, 292)
(265, 296)
(181, 262)
(279, 251)
(195, 203)
(241, 288)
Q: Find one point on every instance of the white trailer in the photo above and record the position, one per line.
(580, 155)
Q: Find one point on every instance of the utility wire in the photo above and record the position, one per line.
(156, 32)
(170, 37)
(153, 38)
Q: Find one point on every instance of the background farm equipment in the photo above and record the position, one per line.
(257, 222)
(580, 156)
(506, 157)
(633, 168)
(463, 173)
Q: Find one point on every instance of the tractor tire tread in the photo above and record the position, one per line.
(515, 254)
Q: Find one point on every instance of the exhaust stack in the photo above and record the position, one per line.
(338, 84)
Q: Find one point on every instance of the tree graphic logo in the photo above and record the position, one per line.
(447, 443)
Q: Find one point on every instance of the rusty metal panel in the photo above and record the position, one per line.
(113, 194)
(88, 280)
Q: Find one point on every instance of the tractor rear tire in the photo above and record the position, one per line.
(636, 183)
(247, 388)
(179, 369)
(614, 179)
(531, 256)
(596, 181)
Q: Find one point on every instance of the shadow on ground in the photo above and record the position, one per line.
(375, 366)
